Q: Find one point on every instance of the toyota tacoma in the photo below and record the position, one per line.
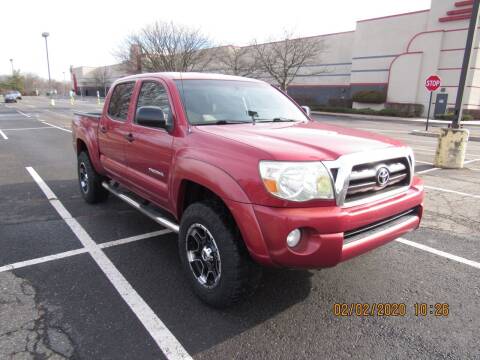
(244, 176)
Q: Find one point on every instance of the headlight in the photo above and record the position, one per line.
(297, 181)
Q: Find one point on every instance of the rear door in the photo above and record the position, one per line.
(113, 133)
(149, 155)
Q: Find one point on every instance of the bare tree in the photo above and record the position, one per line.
(101, 77)
(166, 47)
(283, 59)
(240, 61)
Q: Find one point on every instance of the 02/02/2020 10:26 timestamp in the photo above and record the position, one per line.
(389, 309)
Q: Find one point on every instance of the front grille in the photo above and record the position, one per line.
(363, 178)
(363, 232)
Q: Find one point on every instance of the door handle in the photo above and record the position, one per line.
(129, 137)
(103, 129)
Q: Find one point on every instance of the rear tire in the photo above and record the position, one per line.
(90, 181)
(214, 257)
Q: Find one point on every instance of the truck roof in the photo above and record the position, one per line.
(191, 76)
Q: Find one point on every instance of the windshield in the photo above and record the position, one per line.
(226, 101)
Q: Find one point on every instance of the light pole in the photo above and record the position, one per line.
(467, 58)
(452, 141)
(13, 69)
(64, 85)
(46, 35)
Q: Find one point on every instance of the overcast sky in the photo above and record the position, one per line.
(86, 32)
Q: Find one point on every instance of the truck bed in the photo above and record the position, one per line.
(93, 114)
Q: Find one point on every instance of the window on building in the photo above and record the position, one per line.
(120, 100)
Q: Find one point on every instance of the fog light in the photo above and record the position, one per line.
(294, 238)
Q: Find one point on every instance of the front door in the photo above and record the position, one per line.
(441, 104)
(114, 129)
(149, 155)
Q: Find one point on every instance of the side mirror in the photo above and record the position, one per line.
(307, 110)
(151, 116)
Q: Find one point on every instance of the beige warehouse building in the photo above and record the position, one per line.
(392, 55)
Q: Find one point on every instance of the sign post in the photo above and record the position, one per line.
(432, 84)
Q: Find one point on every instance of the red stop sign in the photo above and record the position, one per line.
(433, 83)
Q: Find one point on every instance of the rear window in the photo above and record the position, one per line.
(120, 100)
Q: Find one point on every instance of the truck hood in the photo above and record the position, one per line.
(301, 141)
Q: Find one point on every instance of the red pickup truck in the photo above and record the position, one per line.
(245, 176)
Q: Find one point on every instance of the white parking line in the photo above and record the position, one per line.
(452, 192)
(435, 168)
(65, 254)
(59, 114)
(423, 162)
(165, 340)
(471, 161)
(439, 253)
(42, 259)
(32, 128)
(2, 134)
(385, 131)
(428, 170)
(55, 126)
(134, 238)
(420, 150)
(22, 113)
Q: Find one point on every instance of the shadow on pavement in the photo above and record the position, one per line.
(153, 268)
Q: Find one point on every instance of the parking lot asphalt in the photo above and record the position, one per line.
(104, 282)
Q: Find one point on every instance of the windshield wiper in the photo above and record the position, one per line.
(278, 119)
(224, 122)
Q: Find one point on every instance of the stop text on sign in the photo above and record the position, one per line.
(433, 83)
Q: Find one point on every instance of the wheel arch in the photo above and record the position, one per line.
(198, 181)
(82, 144)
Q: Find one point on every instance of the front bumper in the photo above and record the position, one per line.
(324, 229)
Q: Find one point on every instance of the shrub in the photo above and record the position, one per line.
(468, 114)
(370, 96)
(405, 110)
(390, 112)
(383, 112)
(340, 103)
(304, 100)
(475, 114)
(449, 116)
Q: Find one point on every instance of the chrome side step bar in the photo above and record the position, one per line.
(151, 213)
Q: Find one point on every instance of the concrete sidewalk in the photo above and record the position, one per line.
(466, 124)
(474, 135)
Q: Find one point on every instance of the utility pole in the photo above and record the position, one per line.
(471, 41)
(52, 101)
(13, 69)
(64, 85)
(452, 141)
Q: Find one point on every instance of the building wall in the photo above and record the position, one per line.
(391, 54)
(397, 53)
(90, 79)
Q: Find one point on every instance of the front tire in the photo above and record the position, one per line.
(214, 256)
(90, 181)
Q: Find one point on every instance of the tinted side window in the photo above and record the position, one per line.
(118, 107)
(154, 94)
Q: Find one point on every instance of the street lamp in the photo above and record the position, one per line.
(46, 35)
(467, 59)
(11, 63)
(64, 85)
(452, 141)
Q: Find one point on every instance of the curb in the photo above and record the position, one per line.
(434, 135)
(391, 119)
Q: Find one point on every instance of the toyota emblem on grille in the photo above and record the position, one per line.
(383, 176)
